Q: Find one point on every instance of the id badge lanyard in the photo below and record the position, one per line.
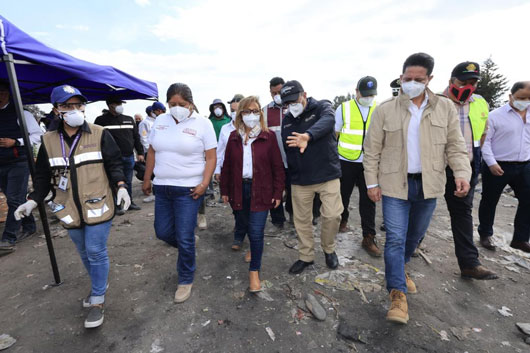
(63, 182)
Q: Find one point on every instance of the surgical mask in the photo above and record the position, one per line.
(412, 88)
(277, 99)
(251, 120)
(153, 115)
(218, 112)
(462, 94)
(296, 109)
(119, 109)
(180, 113)
(233, 115)
(74, 118)
(521, 105)
(366, 101)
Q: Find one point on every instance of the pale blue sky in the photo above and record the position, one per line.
(225, 47)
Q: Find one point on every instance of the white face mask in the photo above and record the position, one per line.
(366, 101)
(412, 88)
(277, 99)
(74, 118)
(153, 115)
(218, 112)
(296, 109)
(119, 109)
(233, 115)
(521, 105)
(251, 120)
(180, 113)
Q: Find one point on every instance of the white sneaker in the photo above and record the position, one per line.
(149, 198)
(201, 221)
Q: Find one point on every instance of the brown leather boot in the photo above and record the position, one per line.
(399, 310)
(370, 245)
(478, 272)
(343, 228)
(248, 257)
(255, 284)
(411, 286)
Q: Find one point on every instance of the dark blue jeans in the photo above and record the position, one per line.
(128, 171)
(14, 184)
(518, 177)
(175, 221)
(253, 224)
(406, 222)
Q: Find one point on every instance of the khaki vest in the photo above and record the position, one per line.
(88, 198)
(353, 131)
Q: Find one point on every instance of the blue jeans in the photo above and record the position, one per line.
(128, 170)
(14, 184)
(91, 243)
(406, 222)
(253, 224)
(175, 221)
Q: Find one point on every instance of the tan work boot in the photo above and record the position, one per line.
(183, 293)
(411, 286)
(370, 245)
(343, 228)
(255, 283)
(248, 257)
(399, 310)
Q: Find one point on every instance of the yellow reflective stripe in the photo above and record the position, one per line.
(350, 146)
(98, 212)
(57, 162)
(88, 156)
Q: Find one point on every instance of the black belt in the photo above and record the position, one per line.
(247, 180)
(416, 176)
(514, 163)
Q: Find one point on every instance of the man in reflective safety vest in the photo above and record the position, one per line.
(81, 164)
(473, 112)
(352, 119)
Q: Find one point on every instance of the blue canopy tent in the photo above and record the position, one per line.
(34, 69)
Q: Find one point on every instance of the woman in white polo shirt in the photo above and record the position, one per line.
(182, 156)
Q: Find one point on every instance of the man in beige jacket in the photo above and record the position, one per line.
(410, 140)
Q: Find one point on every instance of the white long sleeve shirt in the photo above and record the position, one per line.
(224, 134)
(34, 130)
(144, 128)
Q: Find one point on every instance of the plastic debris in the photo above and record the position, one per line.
(505, 311)
(460, 333)
(6, 341)
(444, 336)
(155, 347)
(477, 329)
(206, 323)
(228, 277)
(264, 295)
(524, 328)
(360, 277)
(271, 333)
(314, 306)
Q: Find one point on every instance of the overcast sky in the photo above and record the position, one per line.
(220, 48)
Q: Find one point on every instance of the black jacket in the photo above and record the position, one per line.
(111, 160)
(125, 132)
(320, 161)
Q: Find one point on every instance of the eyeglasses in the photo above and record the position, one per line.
(248, 111)
(70, 106)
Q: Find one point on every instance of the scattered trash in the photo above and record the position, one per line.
(477, 329)
(513, 269)
(331, 300)
(239, 295)
(264, 295)
(506, 344)
(141, 267)
(46, 286)
(39, 244)
(444, 336)
(505, 311)
(524, 328)
(205, 310)
(291, 243)
(350, 333)
(271, 333)
(155, 346)
(424, 256)
(206, 277)
(6, 341)
(298, 333)
(460, 333)
(266, 284)
(150, 214)
(228, 277)
(518, 261)
(220, 322)
(358, 277)
(315, 307)
(206, 323)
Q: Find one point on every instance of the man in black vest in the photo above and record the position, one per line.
(14, 170)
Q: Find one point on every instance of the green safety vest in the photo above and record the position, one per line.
(478, 117)
(353, 130)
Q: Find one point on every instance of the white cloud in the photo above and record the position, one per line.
(237, 46)
(143, 2)
(80, 28)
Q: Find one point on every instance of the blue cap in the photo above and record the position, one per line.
(158, 105)
(148, 110)
(63, 93)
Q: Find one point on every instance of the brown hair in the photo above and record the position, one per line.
(243, 105)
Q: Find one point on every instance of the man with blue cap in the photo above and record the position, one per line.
(80, 163)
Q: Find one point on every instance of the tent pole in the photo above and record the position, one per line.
(15, 92)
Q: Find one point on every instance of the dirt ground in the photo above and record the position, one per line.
(448, 314)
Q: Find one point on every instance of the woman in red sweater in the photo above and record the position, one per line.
(252, 179)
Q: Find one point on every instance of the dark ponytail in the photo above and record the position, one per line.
(182, 90)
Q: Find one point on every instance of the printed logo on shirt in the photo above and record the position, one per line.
(189, 131)
(309, 118)
(144, 133)
(92, 145)
(162, 127)
(287, 125)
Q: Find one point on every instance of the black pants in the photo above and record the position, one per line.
(353, 174)
(277, 214)
(518, 177)
(461, 212)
